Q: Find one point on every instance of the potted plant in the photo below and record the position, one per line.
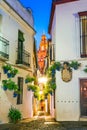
(85, 70)
(4, 82)
(6, 68)
(75, 65)
(57, 66)
(14, 71)
(10, 85)
(14, 115)
(16, 93)
(29, 79)
(32, 87)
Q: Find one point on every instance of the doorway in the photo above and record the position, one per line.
(83, 97)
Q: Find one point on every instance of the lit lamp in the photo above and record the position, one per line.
(42, 80)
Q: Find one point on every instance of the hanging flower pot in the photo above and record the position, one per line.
(9, 75)
(75, 65)
(6, 68)
(14, 72)
(29, 79)
(26, 81)
(5, 71)
(51, 93)
(15, 94)
(4, 88)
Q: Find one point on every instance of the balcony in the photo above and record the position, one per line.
(23, 58)
(4, 49)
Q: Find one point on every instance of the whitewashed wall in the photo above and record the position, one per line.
(9, 27)
(68, 48)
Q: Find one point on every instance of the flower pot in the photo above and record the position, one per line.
(28, 89)
(75, 68)
(57, 68)
(4, 88)
(9, 75)
(26, 81)
(51, 93)
(12, 75)
(15, 94)
(5, 71)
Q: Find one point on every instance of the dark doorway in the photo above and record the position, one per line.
(83, 97)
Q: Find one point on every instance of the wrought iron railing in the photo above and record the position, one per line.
(4, 48)
(23, 57)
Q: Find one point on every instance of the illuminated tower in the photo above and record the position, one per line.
(42, 54)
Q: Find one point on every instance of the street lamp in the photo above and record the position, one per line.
(42, 80)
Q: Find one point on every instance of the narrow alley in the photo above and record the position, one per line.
(43, 122)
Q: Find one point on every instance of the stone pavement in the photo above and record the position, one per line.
(44, 123)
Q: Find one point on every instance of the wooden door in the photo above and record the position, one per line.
(83, 97)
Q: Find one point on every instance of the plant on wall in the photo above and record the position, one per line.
(75, 65)
(85, 70)
(29, 79)
(52, 69)
(9, 70)
(13, 72)
(10, 85)
(6, 68)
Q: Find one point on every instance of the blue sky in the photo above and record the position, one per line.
(41, 13)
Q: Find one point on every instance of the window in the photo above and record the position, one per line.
(52, 52)
(20, 85)
(83, 34)
(20, 46)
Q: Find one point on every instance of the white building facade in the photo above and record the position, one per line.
(16, 49)
(68, 29)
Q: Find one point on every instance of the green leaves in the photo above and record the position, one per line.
(29, 79)
(75, 65)
(11, 85)
(14, 115)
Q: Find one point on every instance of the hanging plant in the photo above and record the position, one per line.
(32, 87)
(6, 68)
(75, 65)
(52, 69)
(85, 70)
(16, 93)
(10, 85)
(29, 79)
(57, 66)
(14, 71)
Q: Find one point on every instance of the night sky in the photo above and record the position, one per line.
(41, 13)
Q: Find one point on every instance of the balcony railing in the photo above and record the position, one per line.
(4, 48)
(23, 57)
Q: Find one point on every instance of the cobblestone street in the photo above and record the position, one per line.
(44, 123)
